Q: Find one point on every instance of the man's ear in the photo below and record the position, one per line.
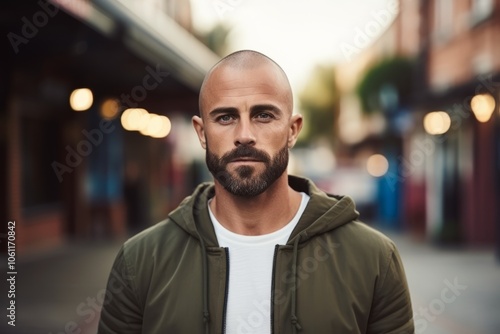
(200, 130)
(294, 130)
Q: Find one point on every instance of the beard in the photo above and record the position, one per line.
(245, 181)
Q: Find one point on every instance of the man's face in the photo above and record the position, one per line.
(246, 128)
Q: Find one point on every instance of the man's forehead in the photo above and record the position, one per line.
(226, 77)
(246, 70)
(236, 70)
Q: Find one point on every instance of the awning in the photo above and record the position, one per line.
(149, 33)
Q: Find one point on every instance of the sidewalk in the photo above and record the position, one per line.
(453, 291)
(58, 292)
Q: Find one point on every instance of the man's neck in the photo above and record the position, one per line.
(262, 214)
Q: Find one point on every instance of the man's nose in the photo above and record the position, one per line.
(244, 133)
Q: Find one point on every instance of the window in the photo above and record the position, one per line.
(480, 10)
(443, 20)
(39, 149)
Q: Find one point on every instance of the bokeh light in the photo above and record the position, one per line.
(148, 124)
(377, 165)
(109, 108)
(81, 99)
(132, 118)
(437, 122)
(483, 106)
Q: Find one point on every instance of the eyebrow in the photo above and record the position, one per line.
(265, 107)
(253, 110)
(222, 110)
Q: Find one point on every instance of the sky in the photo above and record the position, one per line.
(298, 34)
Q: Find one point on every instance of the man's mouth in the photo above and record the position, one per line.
(245, 159)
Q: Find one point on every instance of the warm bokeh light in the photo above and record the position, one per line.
(377, 165)
(132, 118)
(165, 128)
(109, 108)
(124, 119)
(144, 120)
(437, 122)
(483, 106)
(81, 99)
(148, 124)
(151, 125)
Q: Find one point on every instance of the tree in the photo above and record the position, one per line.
(386, 85)
(319, 102)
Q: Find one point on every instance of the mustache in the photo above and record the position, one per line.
(245, 151)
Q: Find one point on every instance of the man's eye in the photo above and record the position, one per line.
(264, 116)
(225, 118)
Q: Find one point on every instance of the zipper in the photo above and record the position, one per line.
(226, 290)
(273, 280)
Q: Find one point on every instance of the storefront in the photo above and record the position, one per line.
(80, 174)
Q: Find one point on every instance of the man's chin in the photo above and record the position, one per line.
(245, 172)
(246, 189)
(241, 184)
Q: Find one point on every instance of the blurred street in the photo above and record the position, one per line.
(453, 290)
(57, 289)
(58, 292)
(401, 107)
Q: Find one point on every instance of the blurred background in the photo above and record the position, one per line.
(400, 100)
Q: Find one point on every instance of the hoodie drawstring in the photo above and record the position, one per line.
(295, 322)
(206, 313)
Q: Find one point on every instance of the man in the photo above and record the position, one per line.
(257, 251)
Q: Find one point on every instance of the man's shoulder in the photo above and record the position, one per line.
(362, 248)
(364, 237)
(159, 235)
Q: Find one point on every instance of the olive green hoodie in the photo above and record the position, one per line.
(334, 275)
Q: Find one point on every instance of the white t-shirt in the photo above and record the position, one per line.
(250, 274)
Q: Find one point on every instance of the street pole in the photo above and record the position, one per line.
(496, 137)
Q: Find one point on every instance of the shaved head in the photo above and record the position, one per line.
(245, 60)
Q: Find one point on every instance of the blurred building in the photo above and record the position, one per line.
(445, 172)
(77, 174)
(461, 58)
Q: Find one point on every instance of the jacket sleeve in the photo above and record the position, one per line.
(391, 310)
(121, 312)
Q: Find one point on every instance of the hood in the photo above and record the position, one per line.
(323, 213)
(192, 214)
